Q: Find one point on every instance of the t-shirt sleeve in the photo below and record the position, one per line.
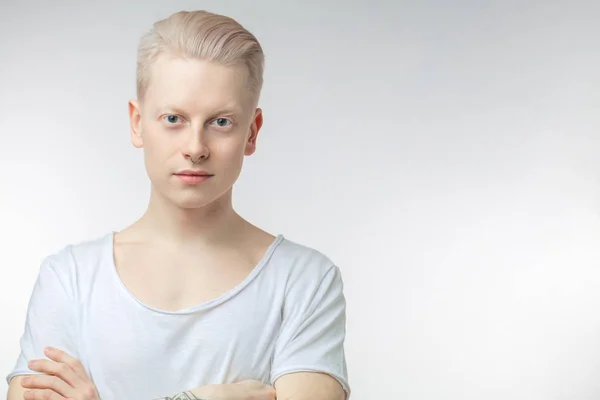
(313, 331)
(49, 320)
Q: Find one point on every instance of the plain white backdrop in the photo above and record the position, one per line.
(444, 154)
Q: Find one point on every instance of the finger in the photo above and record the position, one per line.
(63, 357)
(47, 382)
(48, 367)
(42, 394)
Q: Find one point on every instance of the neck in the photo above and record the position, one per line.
(171, 225)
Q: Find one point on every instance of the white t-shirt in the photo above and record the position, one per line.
(288, 315)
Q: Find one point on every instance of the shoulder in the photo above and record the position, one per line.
(311, 285)
(301, 258)
(80, 252)
(304, 267)
(75, 261)
(93, 249)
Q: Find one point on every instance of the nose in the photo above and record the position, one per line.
(195, 148)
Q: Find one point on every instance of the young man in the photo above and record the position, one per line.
(191, 301)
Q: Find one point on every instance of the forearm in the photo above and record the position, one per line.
(182, 396)
(15, 390)
(189, 395)
(244, 390)
(201, 393)
(309, 386)
(332, 395)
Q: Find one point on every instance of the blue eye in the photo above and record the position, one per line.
(172, 119)
(222, 122)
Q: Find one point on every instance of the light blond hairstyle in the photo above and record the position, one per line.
(205, 36)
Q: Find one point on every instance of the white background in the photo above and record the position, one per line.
(444, 154)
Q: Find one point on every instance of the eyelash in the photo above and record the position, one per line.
(214, 120)
(170, 115)
(226, 119)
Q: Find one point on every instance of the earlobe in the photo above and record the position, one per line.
(254, 129)
(135, 122)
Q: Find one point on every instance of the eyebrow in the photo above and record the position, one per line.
(229, 109)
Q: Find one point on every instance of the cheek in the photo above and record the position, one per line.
(157, 150)
(228, 150)
(228, 159)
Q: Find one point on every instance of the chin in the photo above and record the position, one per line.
(193, 198)
(193, 202)
(198, 199)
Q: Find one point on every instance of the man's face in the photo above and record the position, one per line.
(196, 115)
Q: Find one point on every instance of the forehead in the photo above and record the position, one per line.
(196, 84)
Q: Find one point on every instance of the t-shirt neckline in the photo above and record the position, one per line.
(110, 247)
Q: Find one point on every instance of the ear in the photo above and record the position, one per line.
(135, 121)
(255, 126)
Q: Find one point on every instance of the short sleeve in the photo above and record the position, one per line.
(313, 331)
(49, 321)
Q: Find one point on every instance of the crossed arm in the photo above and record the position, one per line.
(63, 377)
(296, 386)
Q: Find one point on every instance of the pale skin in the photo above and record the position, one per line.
(179, 129)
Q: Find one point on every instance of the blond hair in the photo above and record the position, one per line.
(201, 35)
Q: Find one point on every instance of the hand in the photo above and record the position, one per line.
(64, 378)
(243, 390)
